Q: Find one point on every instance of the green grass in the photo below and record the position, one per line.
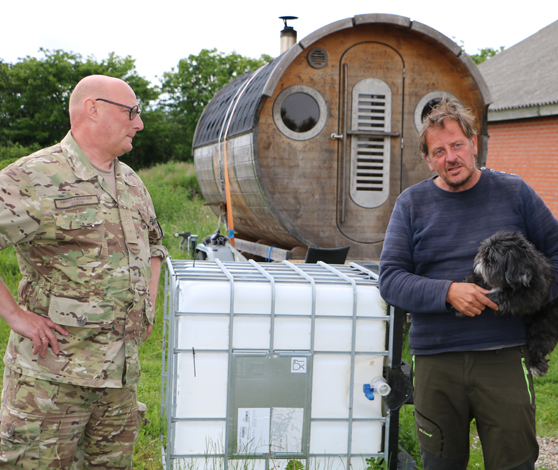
(546, 390)
(175, 194)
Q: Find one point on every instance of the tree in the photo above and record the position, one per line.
(154, 144)
(485, 54)
(194, 83)
(35, 92)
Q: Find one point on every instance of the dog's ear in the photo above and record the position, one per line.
(517, 269)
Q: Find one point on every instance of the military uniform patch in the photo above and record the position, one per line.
(76, 201)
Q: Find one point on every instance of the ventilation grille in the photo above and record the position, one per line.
(370, 154)
(371, 112)
(317, 58)
(370, 157)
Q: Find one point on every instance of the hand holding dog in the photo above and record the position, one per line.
(469, 299)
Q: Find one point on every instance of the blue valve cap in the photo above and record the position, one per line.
(368, 391)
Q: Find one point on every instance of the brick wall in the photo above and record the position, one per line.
(528, 148)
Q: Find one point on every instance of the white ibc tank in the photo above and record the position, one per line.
(267, 362)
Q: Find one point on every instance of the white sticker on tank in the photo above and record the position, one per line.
(286, 429)
(253, 430)
(298, 365)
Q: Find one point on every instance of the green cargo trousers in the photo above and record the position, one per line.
(495, 388)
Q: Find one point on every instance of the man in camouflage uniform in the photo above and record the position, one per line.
(89, 248)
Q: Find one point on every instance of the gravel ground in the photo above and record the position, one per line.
(548, 453)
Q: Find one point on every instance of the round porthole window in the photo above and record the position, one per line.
(426, 103)
(300, 112)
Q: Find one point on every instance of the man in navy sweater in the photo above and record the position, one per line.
(474, 367)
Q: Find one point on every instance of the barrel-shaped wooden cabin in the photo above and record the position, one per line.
(319, 143)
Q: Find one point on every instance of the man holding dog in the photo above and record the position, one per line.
(474, 367)
(89, 248)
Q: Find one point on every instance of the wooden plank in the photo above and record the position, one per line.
(265, 251)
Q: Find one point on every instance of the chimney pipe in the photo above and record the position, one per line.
(288, 34)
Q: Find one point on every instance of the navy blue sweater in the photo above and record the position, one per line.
(432, 239)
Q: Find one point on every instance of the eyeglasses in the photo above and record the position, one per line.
(134, 110)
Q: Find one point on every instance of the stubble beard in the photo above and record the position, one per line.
(461, 182)
(458, 183)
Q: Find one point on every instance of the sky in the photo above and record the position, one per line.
(157, 34)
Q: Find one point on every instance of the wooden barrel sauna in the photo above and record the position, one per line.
(320, 142)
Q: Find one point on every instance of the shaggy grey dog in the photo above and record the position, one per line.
(520, 278)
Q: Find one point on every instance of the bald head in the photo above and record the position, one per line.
(93, 87)
(100, 117)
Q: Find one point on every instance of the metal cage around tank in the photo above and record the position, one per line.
(266, 363)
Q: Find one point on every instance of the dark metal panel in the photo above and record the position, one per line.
(215, 116)
(267, 382)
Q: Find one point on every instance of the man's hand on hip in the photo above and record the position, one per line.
(37, 328)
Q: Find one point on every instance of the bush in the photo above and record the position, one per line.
(13, 152)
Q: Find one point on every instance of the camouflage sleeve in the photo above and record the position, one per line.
(20, 212)
(156, 234)
(155, 240)
(157, 250)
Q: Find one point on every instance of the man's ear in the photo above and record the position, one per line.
(425, 157)
(90, 108)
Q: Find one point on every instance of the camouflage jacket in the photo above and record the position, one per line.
(85, 258)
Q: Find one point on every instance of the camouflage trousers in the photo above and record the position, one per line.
(53, 425)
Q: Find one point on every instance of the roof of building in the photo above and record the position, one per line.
(525, 75)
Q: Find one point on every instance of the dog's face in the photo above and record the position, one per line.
(506, 260)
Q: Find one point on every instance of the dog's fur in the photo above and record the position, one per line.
(520, 278)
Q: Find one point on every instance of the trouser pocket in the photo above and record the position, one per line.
(430, 435)
(19, 438)
(21, 421)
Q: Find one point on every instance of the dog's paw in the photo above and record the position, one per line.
(539, 371)
(539, 368)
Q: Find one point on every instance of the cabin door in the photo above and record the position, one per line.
(371, 103)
